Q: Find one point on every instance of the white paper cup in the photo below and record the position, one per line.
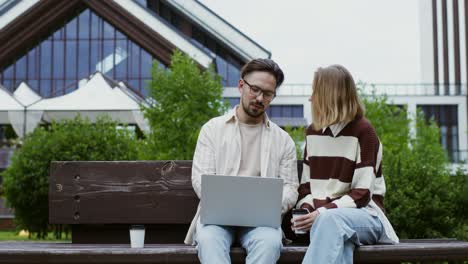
(296, 231)
(137, 236)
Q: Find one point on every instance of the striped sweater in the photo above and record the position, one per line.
(342, 170)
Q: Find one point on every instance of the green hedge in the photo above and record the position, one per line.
(423, 199)
(26, 180)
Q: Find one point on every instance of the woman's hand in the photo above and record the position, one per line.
(304, 222)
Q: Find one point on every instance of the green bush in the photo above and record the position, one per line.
(26, 179)
(183, 99)
(423, 199)
(298, 135)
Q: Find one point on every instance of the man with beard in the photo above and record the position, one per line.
(244, 142)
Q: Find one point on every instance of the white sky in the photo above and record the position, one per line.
(377, 40)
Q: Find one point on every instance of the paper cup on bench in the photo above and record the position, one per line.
(137, 236)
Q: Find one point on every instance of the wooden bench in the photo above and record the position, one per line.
(30, 252)
(101, 199)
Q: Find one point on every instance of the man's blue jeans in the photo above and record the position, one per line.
(336, 232)
(263, 244)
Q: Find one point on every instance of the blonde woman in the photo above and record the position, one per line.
(342, 185)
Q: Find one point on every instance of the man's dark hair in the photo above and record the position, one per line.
(264, 65)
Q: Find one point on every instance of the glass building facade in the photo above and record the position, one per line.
(291, 111)
(88, 43)
(84, 45)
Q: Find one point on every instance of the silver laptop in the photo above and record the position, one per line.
(241, 201)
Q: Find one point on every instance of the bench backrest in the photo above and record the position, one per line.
(95, 196)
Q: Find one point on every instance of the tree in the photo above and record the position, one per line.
(26, 179)
(182, 99)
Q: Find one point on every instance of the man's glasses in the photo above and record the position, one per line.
(256, 91)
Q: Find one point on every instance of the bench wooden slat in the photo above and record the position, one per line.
(21, 252)
(155, 192)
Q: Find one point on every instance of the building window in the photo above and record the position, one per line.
(446, 117)
(84, 45)
(291, 111)
(230, 74)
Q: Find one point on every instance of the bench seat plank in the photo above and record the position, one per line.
(30, 252)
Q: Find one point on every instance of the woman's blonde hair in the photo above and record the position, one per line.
(334, 97)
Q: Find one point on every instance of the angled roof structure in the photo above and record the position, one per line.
(25, 95)
(8, 102)
(244, 46)
(98, 96)
(158, 25)
(11, 9)
(11, 111)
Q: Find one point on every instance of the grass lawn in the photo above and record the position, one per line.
(16, 236)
